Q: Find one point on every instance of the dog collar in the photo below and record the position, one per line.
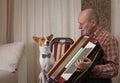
(46, 55)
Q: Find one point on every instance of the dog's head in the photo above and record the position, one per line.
(43, 41)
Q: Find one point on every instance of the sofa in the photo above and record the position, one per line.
(13, 63)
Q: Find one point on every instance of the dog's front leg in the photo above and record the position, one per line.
(43, 77)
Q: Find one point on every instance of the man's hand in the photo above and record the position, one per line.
(82, 65)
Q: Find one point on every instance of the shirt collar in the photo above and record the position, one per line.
(96, 33)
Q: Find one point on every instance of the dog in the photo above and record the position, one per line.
(46, 58)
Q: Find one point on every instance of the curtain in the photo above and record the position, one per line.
(22, 19)
(115, 20)
(3, 21)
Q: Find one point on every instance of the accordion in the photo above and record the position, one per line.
(64, 68)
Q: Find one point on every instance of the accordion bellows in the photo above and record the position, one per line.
(64, 68)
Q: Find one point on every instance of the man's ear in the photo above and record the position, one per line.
(36, 39)
(93, 22)
(50, 37)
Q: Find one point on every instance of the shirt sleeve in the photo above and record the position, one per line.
(110, 68)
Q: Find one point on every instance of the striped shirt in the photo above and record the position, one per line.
(109, 63)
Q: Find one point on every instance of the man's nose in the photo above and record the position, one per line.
(80, 27)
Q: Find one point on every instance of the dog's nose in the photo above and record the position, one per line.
(47, 43)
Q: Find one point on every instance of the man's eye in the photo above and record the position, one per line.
(81, 23)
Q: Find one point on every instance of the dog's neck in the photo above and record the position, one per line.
(44, 49)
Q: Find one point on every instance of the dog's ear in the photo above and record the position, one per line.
(36, 38)
(50, 37)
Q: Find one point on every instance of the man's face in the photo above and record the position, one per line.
(84, 25)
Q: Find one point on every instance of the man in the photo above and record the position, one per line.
(108, 66)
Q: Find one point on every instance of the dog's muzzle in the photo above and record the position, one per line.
(46, 55)
(47, 43)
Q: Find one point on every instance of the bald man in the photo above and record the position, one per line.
(107, 67)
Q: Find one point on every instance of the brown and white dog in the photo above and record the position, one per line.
(46, 59)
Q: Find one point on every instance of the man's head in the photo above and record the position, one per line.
(88, 20)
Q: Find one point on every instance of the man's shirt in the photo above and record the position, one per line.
(108, 65)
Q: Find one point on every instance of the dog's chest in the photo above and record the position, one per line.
(45, 52)
(44, 49)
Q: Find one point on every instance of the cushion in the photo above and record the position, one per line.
(10, 55)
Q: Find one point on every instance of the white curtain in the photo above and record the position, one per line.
(115, 26)
(3, 21)
(22, 19)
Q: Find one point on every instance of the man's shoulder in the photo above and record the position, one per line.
(109, 35)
